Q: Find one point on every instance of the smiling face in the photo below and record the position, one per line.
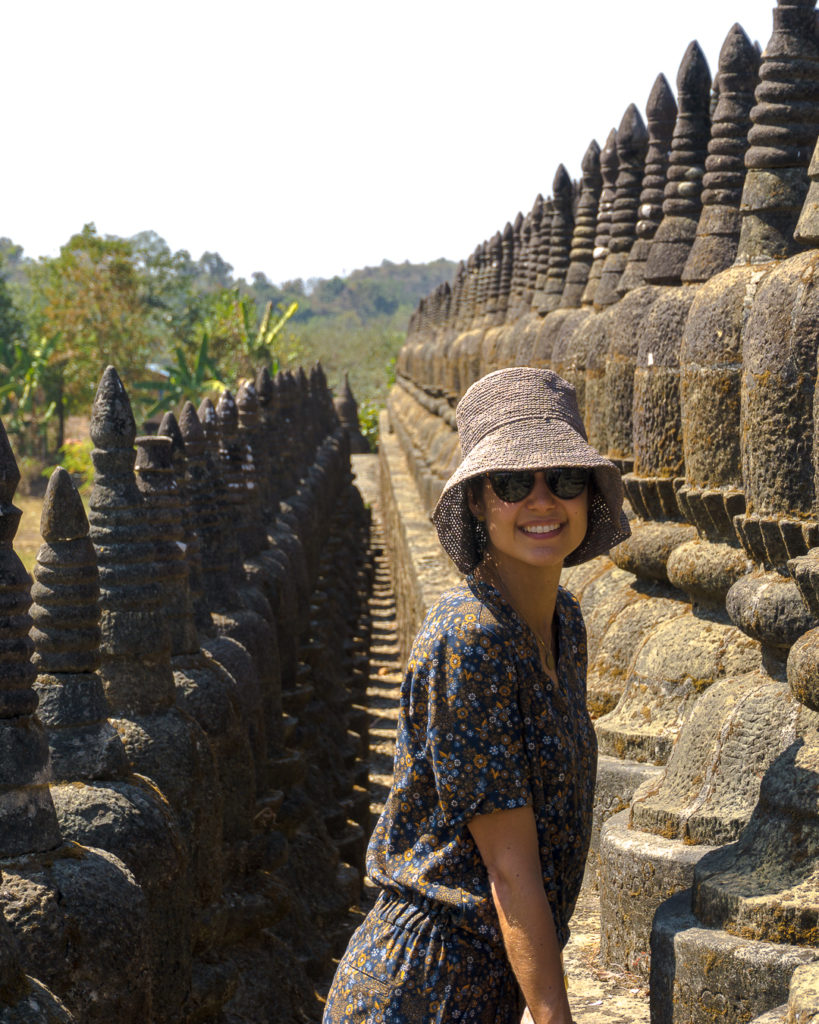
(537, 533)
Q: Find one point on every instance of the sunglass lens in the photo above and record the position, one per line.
(567, 482)
(512, 487)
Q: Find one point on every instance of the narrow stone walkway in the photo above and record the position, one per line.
(597, 995)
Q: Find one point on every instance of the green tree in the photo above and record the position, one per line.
(31, 392)
(175, 305)
(214, 274)
(92, 298)
(181, 378)
(241, 340)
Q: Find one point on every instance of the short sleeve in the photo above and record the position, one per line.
(475, 739)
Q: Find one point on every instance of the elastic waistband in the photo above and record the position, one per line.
(420, 914)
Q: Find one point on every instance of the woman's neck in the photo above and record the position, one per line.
(531, 590)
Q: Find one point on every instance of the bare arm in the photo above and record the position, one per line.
(507, 841)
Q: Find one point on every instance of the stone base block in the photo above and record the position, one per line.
(638, 872)
(776, 1016)
(704, 976)
(617, 782)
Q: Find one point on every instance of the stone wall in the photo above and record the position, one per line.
(675, 287)
(182, 748)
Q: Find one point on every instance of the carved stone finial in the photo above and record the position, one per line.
(562, 225)
(523, 226)
(201, 689)
(608, 170)
(661, 116)
(580, 256)
(632, 145)
(66, 636)
(156, 478)
(784, 126)
(347, 411)
(807, 229)
(112, 421)
(239, 471)
(481, 289)
(539, 220)
(203, 476)
(715, 245)
(682, 197)
(493, 288)
(264, 386)
(507, 263)
(541, 254)
(62, 516)
(135, 642)
(28, 822)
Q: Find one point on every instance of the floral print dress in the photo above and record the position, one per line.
(481, 728)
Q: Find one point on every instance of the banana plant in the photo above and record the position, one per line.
(27, 399)
(181, 380)
(260, 343)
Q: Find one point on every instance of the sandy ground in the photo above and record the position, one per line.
(598, 995)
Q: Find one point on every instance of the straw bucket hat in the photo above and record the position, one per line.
(525, 418)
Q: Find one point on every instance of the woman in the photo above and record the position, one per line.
(481, 847)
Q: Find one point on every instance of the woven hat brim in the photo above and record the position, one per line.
(531, 443)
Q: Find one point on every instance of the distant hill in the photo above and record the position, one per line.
(370, 292)
(354, 324)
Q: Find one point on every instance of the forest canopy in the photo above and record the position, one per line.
(177, 328)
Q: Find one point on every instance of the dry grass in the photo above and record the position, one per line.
(27, 541)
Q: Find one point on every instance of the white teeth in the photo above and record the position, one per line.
(541, 529)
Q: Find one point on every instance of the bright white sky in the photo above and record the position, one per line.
(313, 137)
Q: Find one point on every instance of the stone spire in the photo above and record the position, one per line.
(66, 637)
(159, 740)
(155, 477)
(265, 458)
(784, 126)
(541, 254)
(661, 115)
(50, 887)
(471, 288)
(169, 427)
(250, 446)
(28, 823)
(562, 225)
(98, 802)
(682, 201)
(522, 228)
(220, 556)
(237, 470)
(807, 228)
(458, 286)
(482, 289)
(136, 643)
(632, 145)
(458, 295)
(608, 170)
(493, 287)
(539, 220)
(715, 245)
(507, 262)
(203, 688)
(347, 411)
(582, 250)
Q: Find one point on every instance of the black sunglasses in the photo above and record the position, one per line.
(564, 482)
